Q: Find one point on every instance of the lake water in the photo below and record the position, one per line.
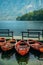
(19, 26)
(12, 58)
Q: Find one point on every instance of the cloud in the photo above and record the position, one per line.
(29, 6)
(40, 3)
(24, 9)
(10, 9)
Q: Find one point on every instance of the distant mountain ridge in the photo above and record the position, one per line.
(32, 16)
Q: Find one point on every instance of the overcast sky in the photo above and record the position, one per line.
(10, 9)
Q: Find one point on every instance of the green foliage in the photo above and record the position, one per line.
(35, 16)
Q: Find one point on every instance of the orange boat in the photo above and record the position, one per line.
(9, 45)
(36, 45)
(2, 41)
(30, 41)
(22, 47)
(41, 48)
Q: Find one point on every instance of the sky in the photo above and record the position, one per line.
(10, 9)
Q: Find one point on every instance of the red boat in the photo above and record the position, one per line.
(41, 48)
(36, 45)
(30, 41)
(9, 45)
(22, 47)
(2, 41)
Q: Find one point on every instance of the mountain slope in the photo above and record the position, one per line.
(35, 15)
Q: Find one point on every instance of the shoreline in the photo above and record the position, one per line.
(25, 38)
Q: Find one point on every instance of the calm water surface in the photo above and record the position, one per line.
(19, 26)
(12, 58)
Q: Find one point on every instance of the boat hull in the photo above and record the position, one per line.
(2, 41)
(22, 50)
(6, 48)
(36, 46)
(9, 45)
(41, 48)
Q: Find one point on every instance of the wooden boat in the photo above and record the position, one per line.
(2, 41)
(9, 45)
(30, 41)
(22, 47)
(41, 48)
(36, 45)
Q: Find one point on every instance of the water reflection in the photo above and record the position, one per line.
(13, 58)
(22, 60)
(37, 55)
(7, 55)
(41, 57)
